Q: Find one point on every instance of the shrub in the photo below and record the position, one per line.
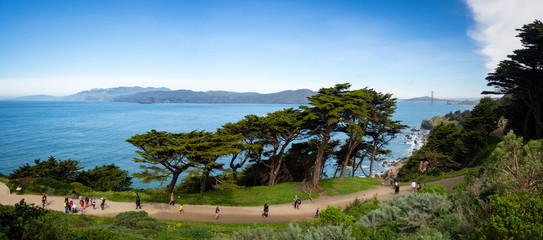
(195, 232)
(333, 215)
(517, 215)
(94, 233)
(358, 208)
(137, 220)
(329, 232)
(80, 188)
(24, 221)
(46, 185)
(439, 189)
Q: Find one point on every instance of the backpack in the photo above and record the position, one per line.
(298, 201)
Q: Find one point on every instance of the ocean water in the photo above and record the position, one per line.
(94, 133)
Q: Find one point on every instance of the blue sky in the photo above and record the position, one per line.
(408, 48)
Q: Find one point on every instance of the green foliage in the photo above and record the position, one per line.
(24, 221)
(332, 232)
(438, 189)
(334, 216)
(60, 170)
(80, 188)
(519, 79)
(137, 220)
(94, 234)
(46, 185)
(358, 208)
(516, 215)
(514, 165)
(408, 213)
(341, 186)
(106, 178)
(458, 116)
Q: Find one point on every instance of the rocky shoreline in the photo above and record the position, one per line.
(417, 137)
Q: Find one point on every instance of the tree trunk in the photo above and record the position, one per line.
(203, 181)
(346, 162)
(318, 161)
(175, 176)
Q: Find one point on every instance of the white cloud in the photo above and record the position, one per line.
(496, 21)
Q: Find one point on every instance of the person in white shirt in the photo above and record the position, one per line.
(414, 186)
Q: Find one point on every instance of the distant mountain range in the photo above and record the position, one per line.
(165, 95)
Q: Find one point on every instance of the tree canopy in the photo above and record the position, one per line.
(520, 78)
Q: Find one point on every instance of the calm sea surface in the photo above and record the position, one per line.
(94, 133)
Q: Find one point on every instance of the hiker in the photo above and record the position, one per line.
(102, 203)
(217, 212)
(419, 187)
(86, 202)
(317, 213)
(138, 202)
(172, 199)
(43, 199)
(73, 193)
(298, 202)
(413, 186)
(93, 203)
(66, 206)
(265, 212)
(397, 189)
(181, 209)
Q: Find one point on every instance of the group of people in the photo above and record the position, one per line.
(396, 186)
(70, 206)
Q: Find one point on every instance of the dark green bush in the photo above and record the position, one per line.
(46, 185)
(137, 220)
(94, 234)
(24, 221)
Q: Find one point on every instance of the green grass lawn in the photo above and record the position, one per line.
(342, 186)
(426, 178)
(250, 196)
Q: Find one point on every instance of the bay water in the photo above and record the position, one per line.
(94, 133)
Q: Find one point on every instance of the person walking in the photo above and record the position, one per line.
(413, 186)
(86, 202)
(181, 211)
(296, 201)
(265, 211)
(102, 203)
(217, 212)
(43, 199)
(73, 193)
(172, 199)
(317, 213)
(138, 201)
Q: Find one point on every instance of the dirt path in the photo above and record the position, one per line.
(206, 213)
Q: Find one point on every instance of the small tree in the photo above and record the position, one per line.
(161, 156)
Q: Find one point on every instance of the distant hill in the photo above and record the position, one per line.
(188, 96)
(37, 98)
(424, 99)
(108, 94)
